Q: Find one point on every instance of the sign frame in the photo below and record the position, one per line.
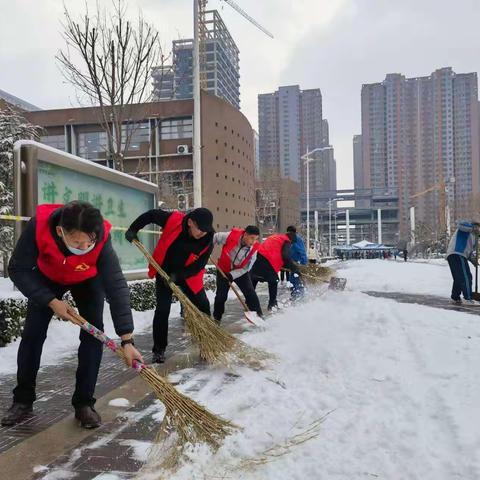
(26, 157)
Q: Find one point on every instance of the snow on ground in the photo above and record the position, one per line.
(119, 402)
(398, 379)
(7, 290)
(423, 277)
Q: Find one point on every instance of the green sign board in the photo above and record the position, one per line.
(119, 204)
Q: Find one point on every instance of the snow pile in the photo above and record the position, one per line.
(119, 402)
(430, 278)
(397, 379)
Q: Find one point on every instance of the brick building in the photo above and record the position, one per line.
(160, 150)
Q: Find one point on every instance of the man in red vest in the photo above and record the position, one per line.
(67, 248)
(182, 252)
(238, 255)
(273, 255)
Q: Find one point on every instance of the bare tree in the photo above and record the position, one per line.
(109, 59)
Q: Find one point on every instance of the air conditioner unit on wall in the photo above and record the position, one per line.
(182, 149)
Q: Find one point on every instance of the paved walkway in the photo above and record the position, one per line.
(427, 300)
(86, 454)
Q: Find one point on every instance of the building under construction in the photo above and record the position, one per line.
(219, 64)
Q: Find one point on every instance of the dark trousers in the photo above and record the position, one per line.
(246, 287)
(462, 277)
(262, 271)
(284, 275)
(162, 310)
(89, 298)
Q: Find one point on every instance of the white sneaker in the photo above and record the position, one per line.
(471, 303)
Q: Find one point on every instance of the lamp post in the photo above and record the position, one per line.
(306, 158)
(330, 201)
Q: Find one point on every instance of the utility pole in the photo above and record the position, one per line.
(197, 109)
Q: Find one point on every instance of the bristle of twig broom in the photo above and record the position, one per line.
(313, 273)
(215, 343)
(192, 422)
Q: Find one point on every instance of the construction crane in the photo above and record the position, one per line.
(248, 17)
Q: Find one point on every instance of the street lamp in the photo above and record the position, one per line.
(330, 201)
(306, 158)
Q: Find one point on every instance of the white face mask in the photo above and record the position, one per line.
(76, 251)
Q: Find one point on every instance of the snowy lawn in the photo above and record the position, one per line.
(421, 277)
(399, 380)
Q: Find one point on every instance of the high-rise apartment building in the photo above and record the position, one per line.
(219, 65)
(420, 141)
(290, 123)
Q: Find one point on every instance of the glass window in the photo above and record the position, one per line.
(55, 141)
(178, 128)
(92, 145)
(135, 134)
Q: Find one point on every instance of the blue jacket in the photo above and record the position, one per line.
(462, 241)
(297, 251)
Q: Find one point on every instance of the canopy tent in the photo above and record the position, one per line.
(364, 245)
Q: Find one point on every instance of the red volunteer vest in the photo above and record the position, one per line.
(53, 263)
(224, 262)
(170, 232)
(271, 249)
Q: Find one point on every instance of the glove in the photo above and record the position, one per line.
(130, 235)
(229, 277)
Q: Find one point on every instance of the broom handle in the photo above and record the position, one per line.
(102, 337)
(232, 286)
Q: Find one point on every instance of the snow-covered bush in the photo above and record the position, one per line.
(142, 298)
(12, 316)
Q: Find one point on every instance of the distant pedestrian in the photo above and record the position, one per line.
(405, 254)
(460, 251)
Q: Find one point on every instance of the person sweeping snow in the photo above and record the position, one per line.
(182, 252)
(298, 255)
(67, 248)
(239, 253)
(460, 251)
(273, 255)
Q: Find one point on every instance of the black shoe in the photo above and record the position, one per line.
(88, 416)
(16, 414)
(158, 357)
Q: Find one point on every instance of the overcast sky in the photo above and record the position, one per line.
(335, 45)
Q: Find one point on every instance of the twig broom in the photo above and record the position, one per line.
(192, 422)
(216, 344)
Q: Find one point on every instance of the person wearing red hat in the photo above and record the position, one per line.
(182, 251)
(67, 248)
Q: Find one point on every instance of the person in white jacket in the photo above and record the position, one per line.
(239, 252)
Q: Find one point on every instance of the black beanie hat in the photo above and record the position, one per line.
(203, 218)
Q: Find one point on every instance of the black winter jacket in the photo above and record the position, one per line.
(181, 248)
